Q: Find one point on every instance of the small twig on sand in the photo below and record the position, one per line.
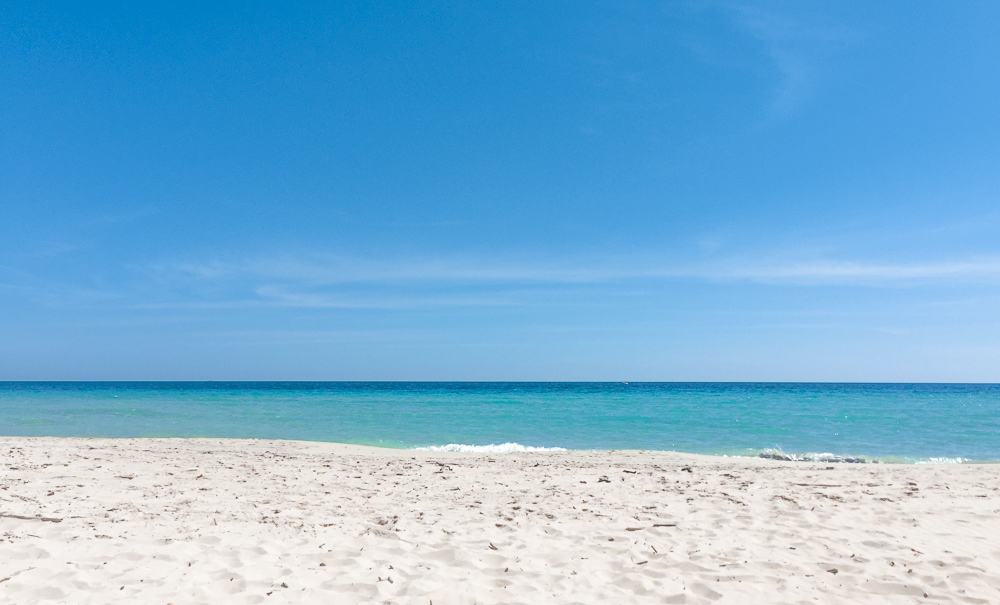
(11, 576)
(25, 518)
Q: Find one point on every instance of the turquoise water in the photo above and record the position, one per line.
(893, 422)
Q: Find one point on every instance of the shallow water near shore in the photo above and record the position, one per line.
(885, 422)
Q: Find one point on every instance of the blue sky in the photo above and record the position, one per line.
(558, 190)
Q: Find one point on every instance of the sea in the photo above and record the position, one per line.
(905, 423)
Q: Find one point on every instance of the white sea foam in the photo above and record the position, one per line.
(777, 454)
(493, 448)
(943, 461)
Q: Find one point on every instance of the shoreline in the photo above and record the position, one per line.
(498, 449)
(193, 520)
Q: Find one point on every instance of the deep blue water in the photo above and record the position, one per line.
(885, 421)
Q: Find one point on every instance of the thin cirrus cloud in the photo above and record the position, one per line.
(342, 282)
(866, 273)
(344, 270)
(285, 297)
(798, 50)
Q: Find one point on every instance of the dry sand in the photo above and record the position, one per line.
(245, 521)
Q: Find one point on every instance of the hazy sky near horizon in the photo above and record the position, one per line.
(529, 190)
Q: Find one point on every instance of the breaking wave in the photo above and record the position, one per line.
(502, 448)
(777, 454)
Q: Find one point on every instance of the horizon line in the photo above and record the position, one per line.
(396, 381)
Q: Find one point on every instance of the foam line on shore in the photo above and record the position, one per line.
(493, 448)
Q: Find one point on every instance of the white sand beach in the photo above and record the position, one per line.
(246, 521)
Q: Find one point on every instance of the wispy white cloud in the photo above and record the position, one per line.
(846, 272)
(325, 270)
(287, 297)
(301, 337)
(797, 49)
(54, 294)
(341, 282)
(273, 275)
